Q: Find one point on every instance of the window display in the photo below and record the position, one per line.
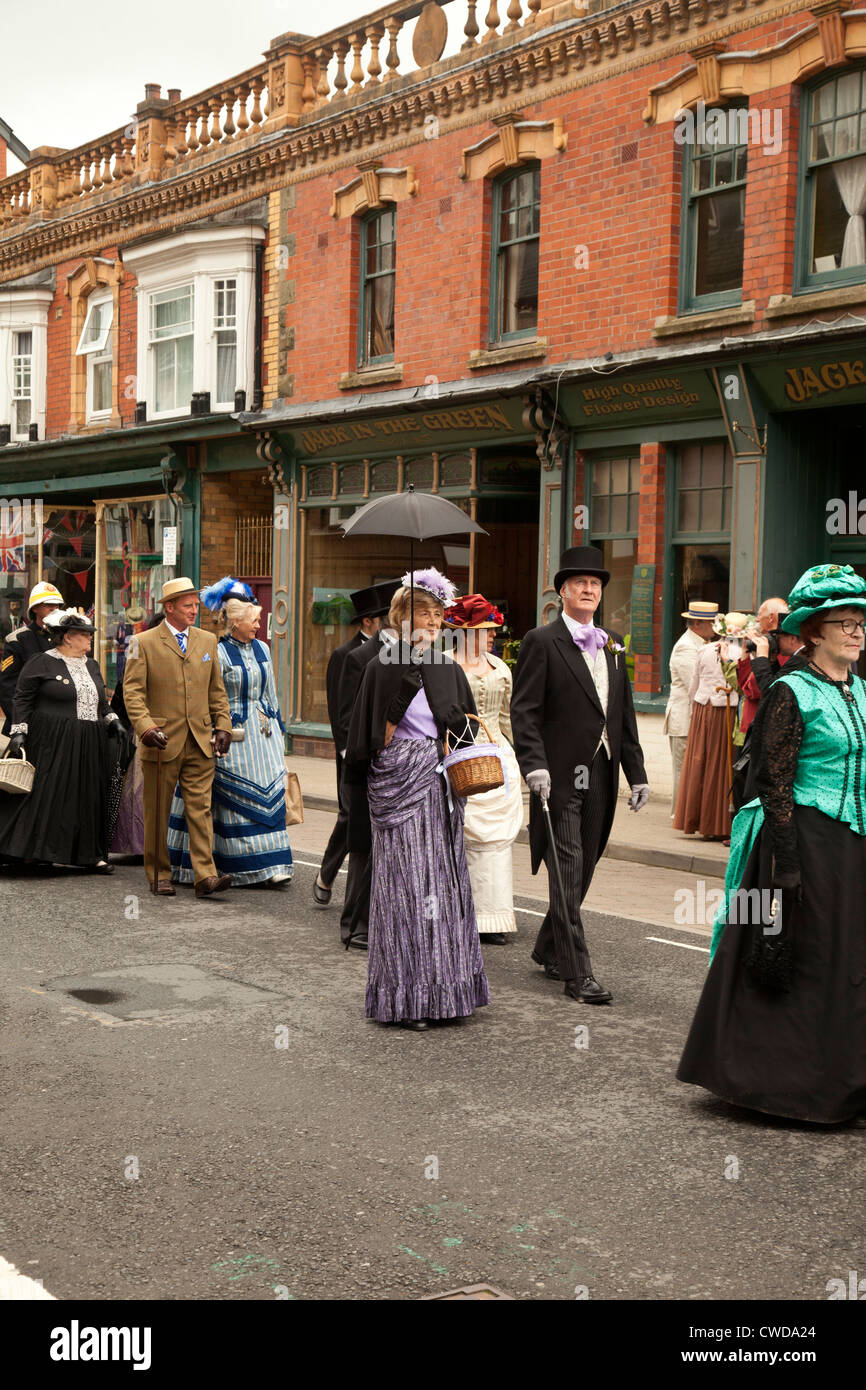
(131, 574)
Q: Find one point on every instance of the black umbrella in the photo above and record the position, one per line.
(416, 515)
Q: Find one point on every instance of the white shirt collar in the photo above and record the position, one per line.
(178, 631)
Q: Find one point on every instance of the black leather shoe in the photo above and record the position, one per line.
(358, 942)
(588, 991)
(494, 938)
(418, 1025)
(321, 895)
(550, 970)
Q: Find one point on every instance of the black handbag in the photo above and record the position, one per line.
(769, 960)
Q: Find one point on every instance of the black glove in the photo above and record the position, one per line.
(114, 728)
(408, 689)
(16, 743)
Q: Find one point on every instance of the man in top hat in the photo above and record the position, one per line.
(177, 704)
(25, 642)
(573, 722)
(370, 607)
(699, 618)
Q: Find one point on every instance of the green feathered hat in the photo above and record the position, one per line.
(821, 588)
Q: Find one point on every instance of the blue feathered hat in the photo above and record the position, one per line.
(217, 595)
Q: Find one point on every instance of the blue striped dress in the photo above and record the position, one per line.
(251, 841)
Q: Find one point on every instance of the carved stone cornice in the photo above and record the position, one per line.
(793, 61)
(373, 188)
(533, 64)
(514, 142)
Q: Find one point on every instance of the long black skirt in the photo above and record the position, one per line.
(802, 1054)
(64, 818)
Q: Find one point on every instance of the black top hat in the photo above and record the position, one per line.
(372, 602)
(580, 559)
(386, 594)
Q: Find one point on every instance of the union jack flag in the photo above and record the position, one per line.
(11, 553)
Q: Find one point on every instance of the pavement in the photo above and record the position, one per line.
(196, 1108)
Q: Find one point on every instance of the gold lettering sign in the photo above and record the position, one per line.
(801, 383)
(459, 420)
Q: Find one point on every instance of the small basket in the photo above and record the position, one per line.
(480, 771)
(16, 775)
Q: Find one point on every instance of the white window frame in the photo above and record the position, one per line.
(199, 257)
(97, 352)
(24, 311)
(18, 358)
(224, 323)
(156, 338)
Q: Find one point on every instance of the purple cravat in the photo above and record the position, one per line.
(588, 638)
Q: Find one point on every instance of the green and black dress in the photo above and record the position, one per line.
(798, 1051)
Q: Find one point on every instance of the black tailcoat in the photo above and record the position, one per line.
(557, 721)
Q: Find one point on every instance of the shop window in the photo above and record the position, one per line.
(130, 551)
(419, 472)
(713, 223)
(95, 346)
(832, 203)
(171, 345)
(22, 384)
(384, 476)
(615, 499)
(455, 470)
(351, 480)
(377, 281)
(514, 267)
(705, 476)
(226, 331)
(702, 526)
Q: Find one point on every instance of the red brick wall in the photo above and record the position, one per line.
(224, 497)
(627, 215)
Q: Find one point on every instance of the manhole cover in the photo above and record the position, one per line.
(150, 991)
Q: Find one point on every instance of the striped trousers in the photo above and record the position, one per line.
(577, 830)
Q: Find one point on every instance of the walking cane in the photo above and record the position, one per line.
(156, 818)
(574, 946)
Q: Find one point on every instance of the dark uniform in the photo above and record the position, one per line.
(17, 650)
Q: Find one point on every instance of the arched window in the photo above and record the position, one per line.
(832, 241)
(514, 265)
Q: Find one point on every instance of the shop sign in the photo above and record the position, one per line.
(814, 381)
(642, 589)
(430, 428)
(658, 396)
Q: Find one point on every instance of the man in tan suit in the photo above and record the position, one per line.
(176, 700)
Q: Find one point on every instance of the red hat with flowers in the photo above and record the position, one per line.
(473, 611)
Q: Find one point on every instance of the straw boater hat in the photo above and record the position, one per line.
(819, 590)
(176, 588)
(701, 612)
(473, 611)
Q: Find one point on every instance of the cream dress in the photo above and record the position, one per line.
(494, 818)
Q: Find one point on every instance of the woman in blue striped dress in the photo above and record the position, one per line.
(251, 841)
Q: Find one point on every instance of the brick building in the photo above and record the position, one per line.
(595, 272)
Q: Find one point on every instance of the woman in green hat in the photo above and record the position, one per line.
(781, 1023)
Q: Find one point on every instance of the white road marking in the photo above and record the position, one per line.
(683, 945)
(308, 864)
(17, 1287)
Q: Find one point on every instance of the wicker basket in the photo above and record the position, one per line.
(469, 776)
(16, 775)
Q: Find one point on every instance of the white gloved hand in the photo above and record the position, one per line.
(639, 796)
(539, 783)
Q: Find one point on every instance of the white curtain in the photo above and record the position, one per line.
(850, 178)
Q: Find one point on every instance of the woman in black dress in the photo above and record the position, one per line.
(781, 1023)
(61, 719)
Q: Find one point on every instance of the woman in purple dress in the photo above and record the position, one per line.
(424, 961)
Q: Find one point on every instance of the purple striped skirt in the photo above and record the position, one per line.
(424, 958)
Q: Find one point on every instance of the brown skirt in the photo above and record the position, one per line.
(702, 800)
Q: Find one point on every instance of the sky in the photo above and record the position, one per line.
(75, 69)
